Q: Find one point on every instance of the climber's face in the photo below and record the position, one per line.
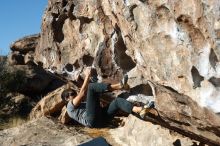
(70, 96)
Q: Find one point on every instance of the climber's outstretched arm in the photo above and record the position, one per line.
(77, 100)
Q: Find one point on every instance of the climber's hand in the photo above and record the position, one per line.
(88, 72)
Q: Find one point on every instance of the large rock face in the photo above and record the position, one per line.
(173, 42)
(134, 133)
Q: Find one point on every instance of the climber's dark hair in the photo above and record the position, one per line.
(66, 93)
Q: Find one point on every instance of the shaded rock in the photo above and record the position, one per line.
(15, 58)
(28, 79)
(64, 117)
(15, 104)
(36, 80)
(25, 44)
(42, 131)
(14, 109)
(29, 58)
(23, 103)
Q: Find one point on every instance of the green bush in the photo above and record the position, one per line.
(11, 81)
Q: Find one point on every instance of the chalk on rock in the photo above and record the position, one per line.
(140, 98)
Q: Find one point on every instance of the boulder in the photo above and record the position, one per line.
(177, 112)
(25, 44)
(139, 133)
(180, 113)
(42, 131)
(49, 105)
(52, 104)
(64, 117)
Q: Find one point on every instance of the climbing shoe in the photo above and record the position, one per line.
(94, 79)
(146, 108)
(124, 83)
(94, 76)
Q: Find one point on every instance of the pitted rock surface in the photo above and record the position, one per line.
(173, 42)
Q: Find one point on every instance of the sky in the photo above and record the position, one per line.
(19, 18)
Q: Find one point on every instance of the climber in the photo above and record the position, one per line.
(90, 113)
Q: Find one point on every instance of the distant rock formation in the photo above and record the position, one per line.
(25, 44)
(23, 50)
